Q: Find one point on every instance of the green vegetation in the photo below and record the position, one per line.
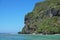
(45, 18)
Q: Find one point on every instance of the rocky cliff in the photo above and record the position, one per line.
(45, 18)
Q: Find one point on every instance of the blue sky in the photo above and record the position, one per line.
(12, 14)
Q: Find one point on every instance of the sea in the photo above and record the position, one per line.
(28, 37)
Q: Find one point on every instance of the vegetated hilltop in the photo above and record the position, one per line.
(45, 18)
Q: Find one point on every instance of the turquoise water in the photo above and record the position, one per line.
(29, 37)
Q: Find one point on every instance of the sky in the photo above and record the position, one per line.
(12, 14)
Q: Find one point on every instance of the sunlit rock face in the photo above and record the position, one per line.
(45, 18)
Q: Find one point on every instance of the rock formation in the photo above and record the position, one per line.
(45, 18)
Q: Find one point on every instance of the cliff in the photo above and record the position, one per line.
(45, 18)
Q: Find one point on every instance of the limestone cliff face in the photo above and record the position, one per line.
(45, 18)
